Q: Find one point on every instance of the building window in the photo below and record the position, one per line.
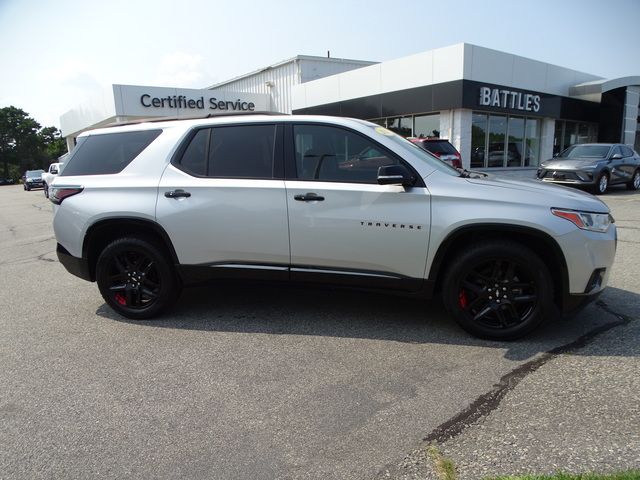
(401, 125)
(504, 141)
(478, 139)
(420, 126)
(516, 151)
(497, 134)
(426, 126)
(571, 133)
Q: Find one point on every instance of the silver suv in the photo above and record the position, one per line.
(146, 209)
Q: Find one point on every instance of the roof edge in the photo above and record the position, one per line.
(297, 58)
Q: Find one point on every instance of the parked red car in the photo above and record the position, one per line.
(441, 148)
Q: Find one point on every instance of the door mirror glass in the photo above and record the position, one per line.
(395, 175)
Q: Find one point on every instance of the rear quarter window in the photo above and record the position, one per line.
(107, 153)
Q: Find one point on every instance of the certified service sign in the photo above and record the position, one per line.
(134, 100)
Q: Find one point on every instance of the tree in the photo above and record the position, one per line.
(53, 142)
(24, 144)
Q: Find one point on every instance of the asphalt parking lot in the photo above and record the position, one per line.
(267, 382)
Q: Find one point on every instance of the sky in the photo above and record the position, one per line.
(56, 54)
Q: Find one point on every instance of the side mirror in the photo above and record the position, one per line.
(616, 156)
(395, 175)
(556, 155)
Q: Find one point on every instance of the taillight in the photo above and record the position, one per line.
(58, 194)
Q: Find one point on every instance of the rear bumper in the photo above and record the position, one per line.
(76, 266)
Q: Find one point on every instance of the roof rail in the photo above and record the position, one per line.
(172, 119)
(231, 114)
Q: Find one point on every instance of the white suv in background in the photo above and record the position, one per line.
(146, 209)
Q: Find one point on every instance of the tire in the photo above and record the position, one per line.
(135, 278)
(27, 188)
(24, 187)
(602, 184)
(498, 290)
(634, 184)
(45, 188)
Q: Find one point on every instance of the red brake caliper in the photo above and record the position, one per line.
(462, 299)
(120, 299)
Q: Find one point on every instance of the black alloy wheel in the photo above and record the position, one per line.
(634, 184)
(498, 290)
(135, 278)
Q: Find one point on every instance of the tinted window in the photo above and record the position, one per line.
(194, 158)
(332, 154)
(626, 151)
(441, 147)
(108, 153)
(244, 151)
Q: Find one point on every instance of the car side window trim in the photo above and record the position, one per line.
(278, 148)
(291, 169)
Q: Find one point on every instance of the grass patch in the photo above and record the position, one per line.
(445, 468)
(629, 475)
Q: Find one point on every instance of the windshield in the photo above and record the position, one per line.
(582, 151)
(424, 155)
(34, 173)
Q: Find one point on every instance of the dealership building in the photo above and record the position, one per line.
(501, 111)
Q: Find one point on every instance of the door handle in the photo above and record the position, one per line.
(177, 194)
(309, 197)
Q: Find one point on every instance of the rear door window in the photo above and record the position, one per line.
(234, 151)
(242, 151)
(107, 153)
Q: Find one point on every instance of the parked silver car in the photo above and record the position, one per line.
(146, 209)
(593, 165)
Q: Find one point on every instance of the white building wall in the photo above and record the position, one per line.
(630, 115)
(546, 138)
(278, 80)
(492, 66)
(456, 62)
(455, 125)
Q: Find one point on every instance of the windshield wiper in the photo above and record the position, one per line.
(464, 173)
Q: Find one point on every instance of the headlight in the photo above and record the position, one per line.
(595, 222)
(589, 167)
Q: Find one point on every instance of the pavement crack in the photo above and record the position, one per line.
(490, 401)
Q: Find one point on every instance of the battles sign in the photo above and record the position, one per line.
(508, 99)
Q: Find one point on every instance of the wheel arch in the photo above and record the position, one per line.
(103, 232)
(541, 243)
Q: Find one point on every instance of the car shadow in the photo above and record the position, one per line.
(618, 191)
(286, 310)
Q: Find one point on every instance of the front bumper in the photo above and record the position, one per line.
(589, 257)
(567, 177)
(572, 304)
(76, 266)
